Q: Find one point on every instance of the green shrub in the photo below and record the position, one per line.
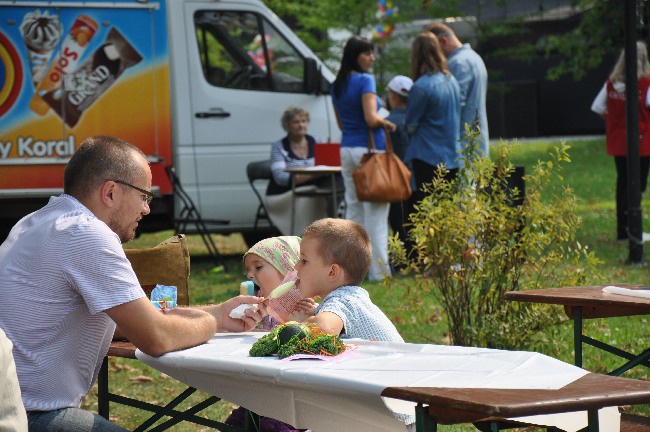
(471, 244)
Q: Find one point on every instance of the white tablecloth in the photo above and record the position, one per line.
(627, 292)
(344, 393)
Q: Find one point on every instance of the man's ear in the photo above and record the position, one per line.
(444, 40)
(107, 192)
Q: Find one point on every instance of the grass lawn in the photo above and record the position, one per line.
(592, 176)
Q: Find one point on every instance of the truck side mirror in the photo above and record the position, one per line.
(314, 81)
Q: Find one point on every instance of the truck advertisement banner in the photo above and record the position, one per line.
(67, 73)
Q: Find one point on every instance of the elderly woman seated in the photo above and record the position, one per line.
(296, 150)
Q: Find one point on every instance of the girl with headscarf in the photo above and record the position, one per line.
(268, 263)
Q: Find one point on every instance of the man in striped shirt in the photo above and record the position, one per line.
(66, 283)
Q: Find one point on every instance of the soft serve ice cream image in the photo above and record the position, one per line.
(72, 49)
(41, 34)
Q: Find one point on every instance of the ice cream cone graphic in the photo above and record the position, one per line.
(41, 34)
(75, 43)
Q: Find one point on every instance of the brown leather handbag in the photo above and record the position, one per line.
(382, 177)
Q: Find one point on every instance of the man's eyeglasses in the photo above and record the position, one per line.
(148, 196)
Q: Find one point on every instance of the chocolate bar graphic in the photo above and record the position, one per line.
(83, 87)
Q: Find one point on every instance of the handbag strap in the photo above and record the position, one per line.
(371, 141)
(389, 142)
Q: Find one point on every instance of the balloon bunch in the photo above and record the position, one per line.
(385, 10)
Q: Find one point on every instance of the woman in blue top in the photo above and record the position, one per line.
(432, 113)
(356, 104)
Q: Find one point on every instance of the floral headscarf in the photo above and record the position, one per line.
(281, 252)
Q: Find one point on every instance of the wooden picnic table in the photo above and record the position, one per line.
(495, 407)
(584, 302)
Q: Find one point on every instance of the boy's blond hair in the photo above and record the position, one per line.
(343, 242)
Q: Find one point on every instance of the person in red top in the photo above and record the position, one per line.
(610, 105)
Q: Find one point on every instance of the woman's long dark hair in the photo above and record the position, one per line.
(353, 47)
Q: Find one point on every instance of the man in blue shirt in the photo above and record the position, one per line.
(470, 72)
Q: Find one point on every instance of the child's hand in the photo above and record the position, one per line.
(307, 305)
(304, 309)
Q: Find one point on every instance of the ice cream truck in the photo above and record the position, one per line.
(200, 84)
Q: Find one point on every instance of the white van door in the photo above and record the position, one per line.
(248, 71)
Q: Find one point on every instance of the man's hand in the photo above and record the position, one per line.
(248, 322)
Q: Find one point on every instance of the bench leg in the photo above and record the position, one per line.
(102, 390)
(165, 410)
(423, 421)
(592, 415)
(634, 361)
(577, 335)
(491, 426)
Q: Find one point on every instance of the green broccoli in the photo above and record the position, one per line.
(287, 350)
(294, 338)
(292, 346)
(264, 346)
(326, 344)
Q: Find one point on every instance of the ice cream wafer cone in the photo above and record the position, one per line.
(282, 301)
(74, 45)
(41, 34)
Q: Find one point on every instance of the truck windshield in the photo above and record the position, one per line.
(242, 50)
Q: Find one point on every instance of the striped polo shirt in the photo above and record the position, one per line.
(60, 269)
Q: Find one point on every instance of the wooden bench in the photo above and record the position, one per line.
(491, 409)
(634, 423)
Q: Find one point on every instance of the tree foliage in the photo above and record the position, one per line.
(599, 34)
(311, 19)
(595, 34)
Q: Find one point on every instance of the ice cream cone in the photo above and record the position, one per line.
(41, 34)
(74, 45)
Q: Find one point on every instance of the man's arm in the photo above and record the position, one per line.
(155, 333)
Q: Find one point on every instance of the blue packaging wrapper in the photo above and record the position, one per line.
(162, 305)
(164, 297)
